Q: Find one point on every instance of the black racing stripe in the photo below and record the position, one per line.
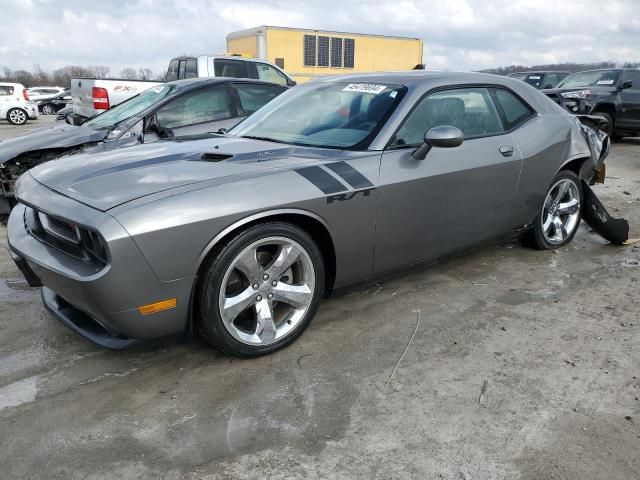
(349, 174)
(321, 179)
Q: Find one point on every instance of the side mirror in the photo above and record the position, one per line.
(625, 85)
(548, 85)
(291, 83)
(443, 136)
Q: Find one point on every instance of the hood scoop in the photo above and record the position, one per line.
(214, 157)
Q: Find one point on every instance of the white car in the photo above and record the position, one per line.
(38, 93)
(15, 105)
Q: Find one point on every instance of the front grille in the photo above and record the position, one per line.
(78, 242)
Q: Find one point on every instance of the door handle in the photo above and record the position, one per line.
(507, 151)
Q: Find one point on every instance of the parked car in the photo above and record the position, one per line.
(174, 109)
(15, 105)
(38, 93)
(91, 96)
(51, 105)
(335, 182)
(63, 113)
(540, 80)
(234, 66)
(613, 94)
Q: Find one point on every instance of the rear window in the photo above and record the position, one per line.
(5, 90)
(253, 97)
(515, 110)
(172, 72)
(192, 69)
(230, 68)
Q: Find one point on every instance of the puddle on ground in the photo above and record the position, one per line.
(16, 290)
(17, 393)
(520, 297)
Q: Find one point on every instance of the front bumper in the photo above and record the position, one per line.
(32, 112)
(100, 303)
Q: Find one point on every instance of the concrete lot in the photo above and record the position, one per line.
(555, 336)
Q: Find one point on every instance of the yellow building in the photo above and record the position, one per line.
(306, 54)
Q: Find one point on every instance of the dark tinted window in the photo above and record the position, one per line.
(230, 68)
(252, 97)
(515, 110)
(310, 50)
(323, 51)
(182, 69)
(634, 77)
(336, 52)
(204, 105)
(192, 69)
(550, 80)
(469, 109)
(172, 72)
(5, 90)
(349, 52)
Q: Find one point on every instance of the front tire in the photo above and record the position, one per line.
(559, 218)
(17, 116)
(260, 290)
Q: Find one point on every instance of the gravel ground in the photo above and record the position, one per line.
(552, 336)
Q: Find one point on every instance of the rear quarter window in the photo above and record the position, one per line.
(514, 111)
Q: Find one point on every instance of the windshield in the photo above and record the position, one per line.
(129, 108)
(597, 78)
(332, 115)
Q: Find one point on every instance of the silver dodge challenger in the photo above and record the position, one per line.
(334, 183)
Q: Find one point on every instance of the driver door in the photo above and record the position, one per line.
(454, 197)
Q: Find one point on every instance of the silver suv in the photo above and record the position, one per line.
(234, 66)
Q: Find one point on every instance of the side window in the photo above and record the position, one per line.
(633, 77)
(469, 109)
(191, 70)
(550, 80)
(252, 97)
(270, 74)
(182, 69)
(230, 68)
(204, 105)
(172, 71)
(5, 90)
(515, 110)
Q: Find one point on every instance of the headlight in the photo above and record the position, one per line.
(580, 94)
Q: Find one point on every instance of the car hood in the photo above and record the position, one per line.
(594, 90)
(107, 179)
(57, 136)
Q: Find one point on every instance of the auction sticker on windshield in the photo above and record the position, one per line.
(364, 88)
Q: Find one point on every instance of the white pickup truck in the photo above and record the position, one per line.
(92, 96)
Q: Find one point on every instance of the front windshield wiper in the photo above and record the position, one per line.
(266, 139)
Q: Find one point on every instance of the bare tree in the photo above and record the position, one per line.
(145, 74)
(99, 71)
(40, 77)
(129, 73)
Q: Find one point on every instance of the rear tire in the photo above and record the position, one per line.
(260, 290)
(48, 109)
(559, 218)
(17, 116)
(609, 129)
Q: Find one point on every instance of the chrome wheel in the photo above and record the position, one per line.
(47, 109)
(561, 211)
(17, 116)
(266, 291)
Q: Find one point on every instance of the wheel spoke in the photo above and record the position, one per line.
(561, 233)
(569, 207)
(547, 224)
(234, 306)
(298, 296)
(562, 190)
(248, 264)
(287, 256)
(265, 326)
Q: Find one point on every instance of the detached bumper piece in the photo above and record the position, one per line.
(615, 230)
(83, 324)
(31, 278)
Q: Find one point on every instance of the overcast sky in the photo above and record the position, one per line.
(458, 34)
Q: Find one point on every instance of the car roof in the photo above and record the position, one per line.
(193, 83)
(11, 84)
(536, 72)
(420, 77)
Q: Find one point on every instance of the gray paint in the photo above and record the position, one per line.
(161, 208)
